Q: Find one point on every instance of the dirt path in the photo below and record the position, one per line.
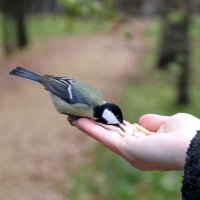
(37, 146)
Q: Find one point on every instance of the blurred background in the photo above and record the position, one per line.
(141, 54)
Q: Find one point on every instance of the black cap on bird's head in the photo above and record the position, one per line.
(108, 113)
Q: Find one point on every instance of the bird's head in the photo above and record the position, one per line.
(108, 113)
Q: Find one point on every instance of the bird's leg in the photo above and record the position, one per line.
(72, 119)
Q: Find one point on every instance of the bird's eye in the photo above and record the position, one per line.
(118, 116)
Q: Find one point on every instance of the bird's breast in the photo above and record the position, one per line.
(79, 110)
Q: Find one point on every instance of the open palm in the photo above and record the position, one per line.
(164, 150)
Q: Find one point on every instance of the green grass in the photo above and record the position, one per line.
(107, 176)
(42, 27)
(46, 26)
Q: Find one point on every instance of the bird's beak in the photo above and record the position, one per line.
(122, 126)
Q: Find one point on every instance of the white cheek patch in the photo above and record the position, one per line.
(109, 117)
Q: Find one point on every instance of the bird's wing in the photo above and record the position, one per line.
(59, 86)
(71, 91)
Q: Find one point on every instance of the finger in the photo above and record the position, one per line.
(152, 122)
(107, 137)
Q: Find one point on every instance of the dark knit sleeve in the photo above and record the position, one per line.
(191, 179)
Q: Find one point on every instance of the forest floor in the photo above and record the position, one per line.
(38, 148)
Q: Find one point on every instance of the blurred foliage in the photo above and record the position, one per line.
(47, 26)
(79, 13)
(90, 8)
(177, 16)
(42, 27)
(107, 176)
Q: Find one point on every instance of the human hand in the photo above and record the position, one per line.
(165, 150)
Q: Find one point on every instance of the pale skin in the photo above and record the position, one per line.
(164, 150)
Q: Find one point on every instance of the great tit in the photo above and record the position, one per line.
(75, 98)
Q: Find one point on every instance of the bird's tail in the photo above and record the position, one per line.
(19, 71)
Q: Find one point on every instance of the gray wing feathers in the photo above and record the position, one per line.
(73, 92)
(57, 88)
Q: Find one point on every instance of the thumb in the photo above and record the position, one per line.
(152, 122)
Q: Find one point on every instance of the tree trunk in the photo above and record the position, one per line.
(21, 31)
(14, 29)
(175, 45)
(183, 86)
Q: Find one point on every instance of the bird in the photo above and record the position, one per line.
(75, 98)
